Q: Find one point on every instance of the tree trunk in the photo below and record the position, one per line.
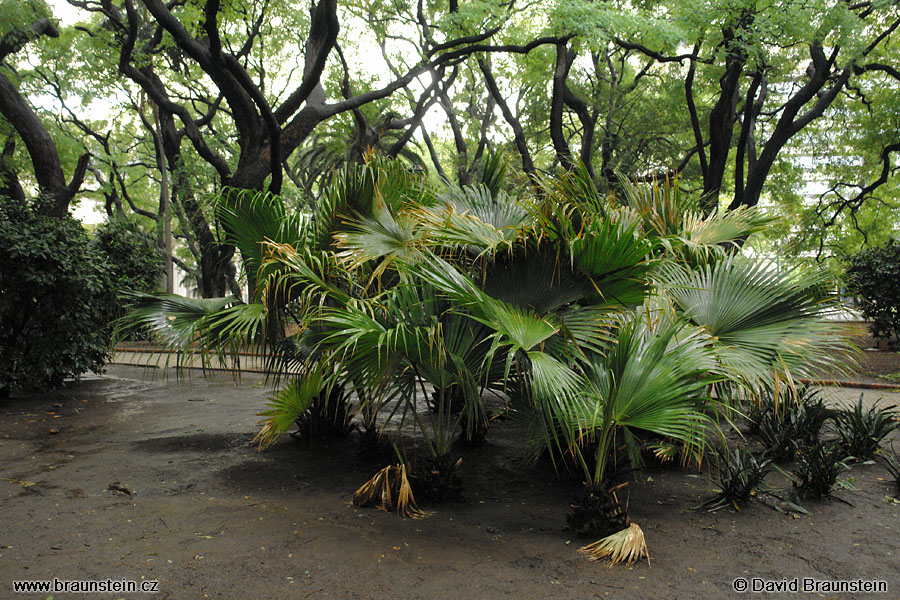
(44, 157)
(215, 259)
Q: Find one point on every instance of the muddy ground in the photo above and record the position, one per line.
(133, 476)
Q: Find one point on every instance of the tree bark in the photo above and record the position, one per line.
(557, 135)
(9, 179)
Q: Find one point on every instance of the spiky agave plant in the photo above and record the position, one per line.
(861, 431)
(740, 473)
(891, 461)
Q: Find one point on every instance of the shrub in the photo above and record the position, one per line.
(135, 260)
(892, 463)
(776, 431)
(861, 431)
(55, 300)
(874, 274)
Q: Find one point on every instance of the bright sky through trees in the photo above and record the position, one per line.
(747, 102)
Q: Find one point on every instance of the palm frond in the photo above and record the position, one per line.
(763, 321)
(286, 406)
(577, 188)
(253, 218)
(380, 235)
(174, 321)
(626, 546)
(534, 279)
(462, 222)
(493, 171)
(308, 276)
(660, 204)
(616, 258)
(727, 227)
(389, 489)
(590, 328)
(653, 379)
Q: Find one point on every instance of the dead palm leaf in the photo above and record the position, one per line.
(385, 485)
(626, 546)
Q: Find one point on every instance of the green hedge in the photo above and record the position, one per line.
(874, 275)
(56, 296)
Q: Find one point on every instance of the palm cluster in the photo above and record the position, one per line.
(606, 323)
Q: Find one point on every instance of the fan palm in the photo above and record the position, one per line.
(600, 318)
(653, 379)
(766, 325)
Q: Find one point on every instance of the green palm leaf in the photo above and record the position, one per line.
(286, 406)
(761, 320)
(174, 321)
(253, 218)
(722, 228)
(653, 379)
(380, 235)
(487, 230)
(534, 279)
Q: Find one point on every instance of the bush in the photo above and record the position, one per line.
(874, 275)
(892, 463)
(134, 257)
(135, 260)
(793, 425)
(741, 472)
(55, 298)
(818, 468)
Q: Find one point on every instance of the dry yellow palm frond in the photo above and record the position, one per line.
(625, 546)
(385, 485)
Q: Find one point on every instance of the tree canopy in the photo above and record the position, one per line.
(159, 109)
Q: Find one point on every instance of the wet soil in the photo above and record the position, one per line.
(133, 476)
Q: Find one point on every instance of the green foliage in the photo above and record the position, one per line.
(598, 319)
(740, 473)
(891, 461)
(135, 261)
(818, 468)
(286, 406)
(788, 424)
(654, 378)
(861, 431)
(56, 294)
(16, 14)
(874, 274)
(767, 324)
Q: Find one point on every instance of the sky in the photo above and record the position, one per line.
(63, 11)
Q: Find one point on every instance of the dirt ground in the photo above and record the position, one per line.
(133, 476)
(871, 364)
